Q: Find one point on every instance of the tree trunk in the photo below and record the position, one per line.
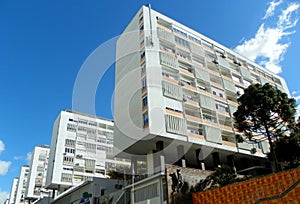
(273, 154)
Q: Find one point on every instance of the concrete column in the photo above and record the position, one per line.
(158, 157)
(133, 166)
(133, 173)
(216, 159)
(200, 162)
(150, 163)
(181, 156)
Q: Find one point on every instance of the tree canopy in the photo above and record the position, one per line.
(287, 149)
(265, 112)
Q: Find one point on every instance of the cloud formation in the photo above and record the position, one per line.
(4, 165)
(271, 9)
(28, 157)
(2, 146)
(3, 196)
(267, 47)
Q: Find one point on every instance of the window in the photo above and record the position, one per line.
(82, 121)
(71, 127)
(143, 55)
(109, 141)
(69, 150)
(70, 143)
(66, 177)
(90, 146)
(68, 160)
(236, 78)
(222, 107)
(101, 140)
(144, 83)
(167, 49)
(92, 123)
(145, 101)
(180, 32)
(145, 119)
(182, 42)
(143, 68)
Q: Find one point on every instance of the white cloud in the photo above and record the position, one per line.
(266, 47)
(271, 8)
(18, 157)
(2, 146)
(28, 157)
(4, 165)
(3, 196)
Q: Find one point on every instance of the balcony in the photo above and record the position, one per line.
(227, 143)
(174, 81)
(190, 134)
(193, 118)
(173, 112)
(226, 127)
(186, 72)
(191, 102)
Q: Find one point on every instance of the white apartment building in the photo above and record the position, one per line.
(22, 185)
(37, 174)
(175, 94)
(81, 148)
(13, 191)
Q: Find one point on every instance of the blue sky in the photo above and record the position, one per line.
(43, 44)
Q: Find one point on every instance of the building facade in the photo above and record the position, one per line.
(81, 148)
(37, 173)
(13, 191)
(175, 94)
(22, 185)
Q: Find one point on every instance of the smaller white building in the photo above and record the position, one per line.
(37, 173)
(81, 148)
(22, 185)
(13, 191)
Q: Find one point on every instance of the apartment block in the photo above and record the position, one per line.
(37, 174)
(81, 148)
(21, 186)
(13, 191)
(175, 94)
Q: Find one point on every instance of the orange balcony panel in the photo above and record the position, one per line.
(193, 118)
(232, 144)
(170, 80)
(182, 71)
(163, 27)
(189, 87)
(210, 123)
(201, 137)
(217, 85)
(171, 112)
(223, 113)
(193, 103)
(203, 92)
(225, 127)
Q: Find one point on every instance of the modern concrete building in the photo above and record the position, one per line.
(22, 185)
(175, 94)
(81, 148)
(13, 191)
(37, 174)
